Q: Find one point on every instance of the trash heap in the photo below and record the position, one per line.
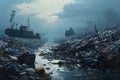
(92, 51)
(23, 42)
(18, 64)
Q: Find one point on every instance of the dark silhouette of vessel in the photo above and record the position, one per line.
(69, 32)
(22, 32)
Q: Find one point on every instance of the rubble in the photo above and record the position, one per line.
(87, 53)
(16, 63)
(27, 58)
(90, 52)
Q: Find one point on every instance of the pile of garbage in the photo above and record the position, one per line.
(16, 63)
(23, 42)
(98, 50)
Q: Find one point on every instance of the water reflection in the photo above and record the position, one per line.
(63, 73)
(58, 72)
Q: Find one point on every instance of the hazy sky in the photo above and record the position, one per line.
(52, 17)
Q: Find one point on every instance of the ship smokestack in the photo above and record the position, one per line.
(12, 18)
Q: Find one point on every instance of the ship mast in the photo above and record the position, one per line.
(12, 18)
(28, 27)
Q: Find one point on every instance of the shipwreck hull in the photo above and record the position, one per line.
(21, 34)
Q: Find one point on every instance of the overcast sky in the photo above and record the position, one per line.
(53, 17)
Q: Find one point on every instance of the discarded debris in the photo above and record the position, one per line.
(16, 63)
(99, 51)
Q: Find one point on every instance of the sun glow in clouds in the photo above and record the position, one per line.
(52, 19)
(43, 9)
